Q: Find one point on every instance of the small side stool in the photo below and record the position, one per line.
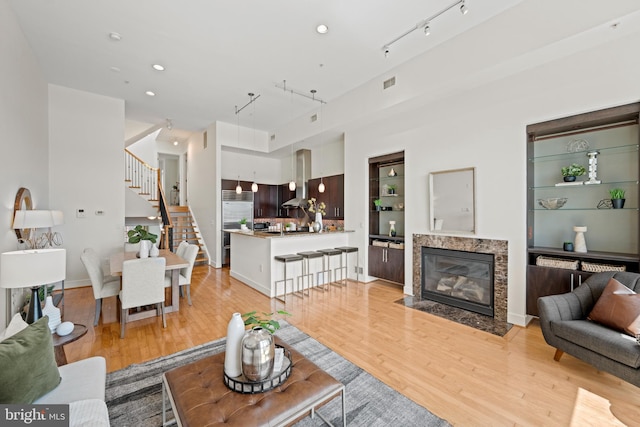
(327, 254)
(306, 269)
(286, 259)
(346, 250)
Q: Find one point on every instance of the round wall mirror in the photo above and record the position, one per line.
(22, 202)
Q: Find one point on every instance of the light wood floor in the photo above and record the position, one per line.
(468, 377)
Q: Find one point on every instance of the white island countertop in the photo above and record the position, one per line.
(252, 256)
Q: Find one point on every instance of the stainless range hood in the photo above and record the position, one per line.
(303, 175)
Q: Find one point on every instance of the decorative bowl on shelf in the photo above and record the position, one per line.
(552, 203)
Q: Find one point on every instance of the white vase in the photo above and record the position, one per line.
(53, 312)
(319, 219)
(145, 247)
(154, 251)
(233, 355)
(580, 244)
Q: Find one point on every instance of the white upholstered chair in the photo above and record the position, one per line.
(184, 279)
(181, 248)
(104, 285)
(142, 284)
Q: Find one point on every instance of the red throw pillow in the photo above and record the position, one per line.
(619, 308)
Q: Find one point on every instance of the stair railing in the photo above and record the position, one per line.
(141, 175)
(167, 223)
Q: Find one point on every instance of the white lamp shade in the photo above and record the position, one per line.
(32, 219)
(58, 217)
(33, 267)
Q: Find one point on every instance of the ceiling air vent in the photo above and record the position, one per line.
(314, 118)
(388, 83)
(273, 137)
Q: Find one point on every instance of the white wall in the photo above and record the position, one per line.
(86, 133)
(23, 120)
(486, 125)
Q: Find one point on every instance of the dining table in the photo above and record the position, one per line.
(173, 265)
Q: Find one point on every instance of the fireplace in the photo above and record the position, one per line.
(458, 278)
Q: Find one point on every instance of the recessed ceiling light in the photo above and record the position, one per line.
(116, 37)
(322, 29)
(175, 142)
(158, 67)
(115, 69)
(150, 93)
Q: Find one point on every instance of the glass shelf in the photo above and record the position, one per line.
(565, 187)
(537, 209)
(582, 154)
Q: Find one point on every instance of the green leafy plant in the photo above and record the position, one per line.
(392, 189)
(243, 221)
(573, 170)
(139, 233)
(377, 203)
(263, 320)
(616, 193)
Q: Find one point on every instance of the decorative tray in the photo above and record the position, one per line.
(241, 384)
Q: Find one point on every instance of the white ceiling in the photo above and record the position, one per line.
(217, 51)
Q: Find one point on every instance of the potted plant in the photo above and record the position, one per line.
(377, 203)
(572, 171)
(257, 362)
(391, 189)
(617, 197)
(140, 235)
(243, 224)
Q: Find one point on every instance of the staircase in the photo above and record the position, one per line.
(185, 228)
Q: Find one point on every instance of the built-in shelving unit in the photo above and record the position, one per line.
(386, 187)
(612, 236)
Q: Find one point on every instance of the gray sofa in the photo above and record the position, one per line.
(563, 319)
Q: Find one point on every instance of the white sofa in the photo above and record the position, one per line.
(83, 388)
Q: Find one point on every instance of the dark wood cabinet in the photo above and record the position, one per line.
(265, 201)
(333, 196)
(231, 184)
(386, 263)
(542, 281)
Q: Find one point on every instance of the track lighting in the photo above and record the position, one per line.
(238, 187)
(424, 25)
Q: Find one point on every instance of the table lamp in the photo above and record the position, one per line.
(32, 268)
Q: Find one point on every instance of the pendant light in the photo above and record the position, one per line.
(292, 184)
(321, 185)
(238, 187)
(254, 186)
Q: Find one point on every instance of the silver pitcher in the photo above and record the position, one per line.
(258, 354)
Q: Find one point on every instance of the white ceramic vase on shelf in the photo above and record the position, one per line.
(580, 244)
(319, 220)
(154, 251)
(145, 247)
(233, 355)
(53, 312)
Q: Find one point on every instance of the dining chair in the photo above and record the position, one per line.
(104, 285)
(184, 278)
(181, 248)
(142, 284)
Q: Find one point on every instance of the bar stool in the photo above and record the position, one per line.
(306, 270)
(327, 254)
(286, 259)
(346, 250)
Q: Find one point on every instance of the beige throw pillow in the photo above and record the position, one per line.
(619, 308)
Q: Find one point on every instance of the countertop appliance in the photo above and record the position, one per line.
(234, 208)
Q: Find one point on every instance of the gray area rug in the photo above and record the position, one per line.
(134, 394)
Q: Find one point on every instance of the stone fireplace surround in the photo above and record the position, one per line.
(497, 324)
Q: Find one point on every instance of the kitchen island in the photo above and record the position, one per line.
(253, 252)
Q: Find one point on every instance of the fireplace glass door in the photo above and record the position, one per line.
(458, 278)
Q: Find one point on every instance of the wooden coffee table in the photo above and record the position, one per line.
(59, 342)
(198, 395)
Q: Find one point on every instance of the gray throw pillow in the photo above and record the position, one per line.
(28, 368)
